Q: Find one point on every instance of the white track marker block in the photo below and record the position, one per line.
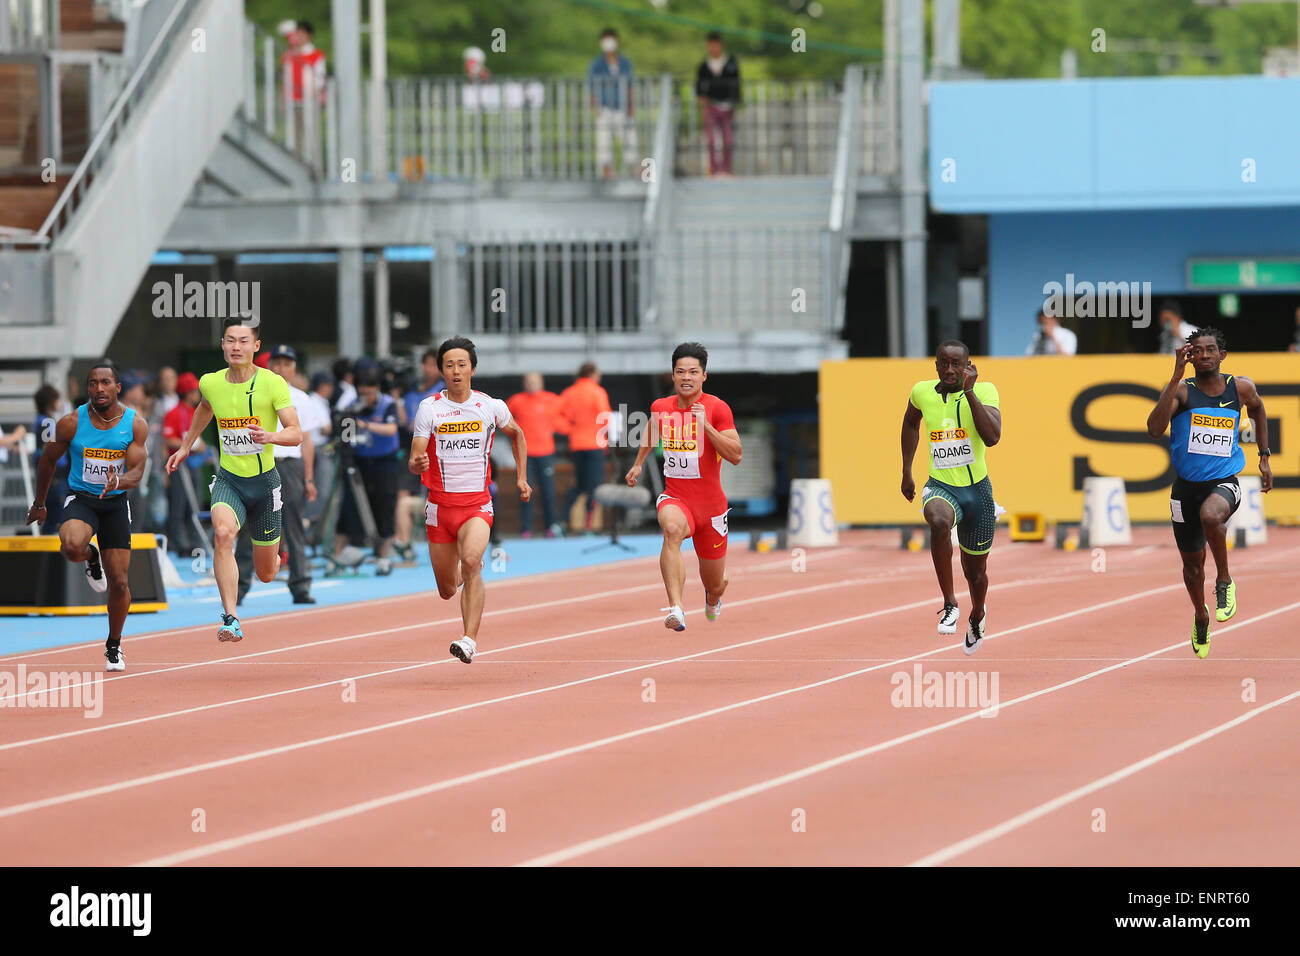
(1105, 512)
(1250, 514)
(812, 515)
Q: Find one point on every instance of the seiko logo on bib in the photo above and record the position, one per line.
(452, 428)
(98, 463)
(1211, 435)
(235, 439)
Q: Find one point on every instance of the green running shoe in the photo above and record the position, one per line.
(1201, 636)
(1225, 598)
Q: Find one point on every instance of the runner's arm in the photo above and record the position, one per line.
(649, 439)
(519, 445)
(290, 432)
(911, 435)
(136, 459)
(418, 463)
(726, 442)
(48, 463)
(1172, 397)
(1254, 406)
(988, 419)
(202, 417)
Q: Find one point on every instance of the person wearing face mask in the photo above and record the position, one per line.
(609, 80)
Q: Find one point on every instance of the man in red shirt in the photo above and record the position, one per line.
(304, 86)
(180, 530)
(451, 450)
(584, 406)
(538, 413)
(698, 432)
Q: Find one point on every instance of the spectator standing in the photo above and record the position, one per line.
(48, 408)
(296, 465)
(411, 494)
(304, 84)
(167, 385)
(609, 82)
(1173, 330)
(538, 413)
(322, 390)
(1052, 338)
(717, 84)
(376, 445)
(584, 407)
(176, 424)
(345, 393)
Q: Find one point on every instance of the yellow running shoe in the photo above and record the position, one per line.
(1225, 598)
(1201, 636)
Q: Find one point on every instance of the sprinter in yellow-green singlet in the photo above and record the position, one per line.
(247, 403)
(962, 419)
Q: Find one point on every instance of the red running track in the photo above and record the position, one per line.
(584, 732)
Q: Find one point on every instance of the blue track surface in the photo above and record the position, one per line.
(200, 604)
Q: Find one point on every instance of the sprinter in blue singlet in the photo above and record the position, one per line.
(1204, 415)
(105, 442)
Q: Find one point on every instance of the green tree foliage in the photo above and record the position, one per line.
(1001, 38)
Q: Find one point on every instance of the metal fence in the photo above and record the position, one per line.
(589, 284)
(746, 279)
(28, 25)
(781, 128)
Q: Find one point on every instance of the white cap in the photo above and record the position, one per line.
(474, 53)
(286, 27)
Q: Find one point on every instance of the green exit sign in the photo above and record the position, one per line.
(1243, 273)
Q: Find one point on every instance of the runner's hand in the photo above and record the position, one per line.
(1182, 355)
(310, 491)
(908, 487)
(178, 456)
(110, 483)
(35, 514)
(419, 464)
(969, 374)
(261, 435)
(1265, 476)
(633, 474)
(525, 492)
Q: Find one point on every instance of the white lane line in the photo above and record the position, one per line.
(354, 809)
(1043, 809)
(415, 666)
(331, 608)
(686, 813)
(268, 592)
(405, 721)
(396, 670)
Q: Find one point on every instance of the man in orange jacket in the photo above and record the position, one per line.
(538, 413)
(585, 407)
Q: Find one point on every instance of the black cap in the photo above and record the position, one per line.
(284, 351)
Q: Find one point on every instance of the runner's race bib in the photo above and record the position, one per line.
(235, 437)
(1211, 435)
(681, 459)
(97, 463)
(951, 448)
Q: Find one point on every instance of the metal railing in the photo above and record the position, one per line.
(118, 116)
(880, 144)
(518, 128)
(780, 128)
(747, 279)
(301, 120)
(28, 26)
(552, 283)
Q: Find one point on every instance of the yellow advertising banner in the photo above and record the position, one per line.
(1063, 419)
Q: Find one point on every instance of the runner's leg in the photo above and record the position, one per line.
(117, 562)
(471, 542)
(939, 515)
(673, 521)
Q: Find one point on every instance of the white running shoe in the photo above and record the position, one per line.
(465, 649)
(712, 611)
(977, 632)
(676, 619)
(116, 661)
(95, 571)
(948, 618)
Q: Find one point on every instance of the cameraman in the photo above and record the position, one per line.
(374, 440)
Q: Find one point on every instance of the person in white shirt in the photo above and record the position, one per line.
(297, 466)
(1174, 332)
(1052, 338)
